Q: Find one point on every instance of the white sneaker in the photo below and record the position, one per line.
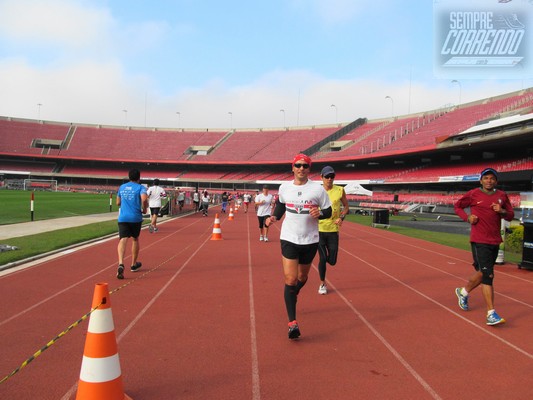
(265, 239)
(323, 289)
(261, 238)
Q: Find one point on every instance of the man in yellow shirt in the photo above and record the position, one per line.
(328, 229)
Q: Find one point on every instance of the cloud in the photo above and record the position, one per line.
(97, 93)
(72, 24)
(95, 73)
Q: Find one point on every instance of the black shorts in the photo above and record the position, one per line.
(129, 229)
(262, 221)
(485, 256)
(304, 253)
(155, 210)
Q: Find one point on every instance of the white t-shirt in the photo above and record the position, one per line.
(298, 226)
(264, 209)
(155, 193)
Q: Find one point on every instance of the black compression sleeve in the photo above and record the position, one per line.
(325, 213)
(279, 210)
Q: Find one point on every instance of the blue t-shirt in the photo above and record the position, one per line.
(130, 202)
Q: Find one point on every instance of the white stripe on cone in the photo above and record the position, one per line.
(101, 321)
(98, 370)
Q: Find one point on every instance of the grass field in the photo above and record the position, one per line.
(16, 205)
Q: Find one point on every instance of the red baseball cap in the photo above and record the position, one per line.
(302, 157)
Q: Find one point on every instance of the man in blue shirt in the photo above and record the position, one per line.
(133, 202)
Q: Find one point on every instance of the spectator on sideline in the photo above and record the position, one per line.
(155, 193)
(304, 202)
(133, 202)
(263, 203)
(488, 206)
(328, 245)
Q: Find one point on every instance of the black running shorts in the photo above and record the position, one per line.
(304, 253)
(129, 229)
(262, 220)
(485, 256)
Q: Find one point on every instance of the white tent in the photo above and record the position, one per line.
(356, 188)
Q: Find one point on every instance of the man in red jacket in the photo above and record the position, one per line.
(488, 206)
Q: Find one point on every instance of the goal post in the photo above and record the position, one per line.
(40, 184)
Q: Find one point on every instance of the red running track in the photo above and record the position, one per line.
(205, 319)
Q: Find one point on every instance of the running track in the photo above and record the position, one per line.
(205, 319)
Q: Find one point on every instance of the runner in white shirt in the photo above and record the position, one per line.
(155, 193)
(246, 198)
(263, 202)
(305, 202)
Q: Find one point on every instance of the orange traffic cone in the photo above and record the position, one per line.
(231, 216)
(217, 232)
(100, 375)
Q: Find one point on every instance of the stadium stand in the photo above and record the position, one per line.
(423, 130)
(137, 144)
(267, 145)
(29, 166)
(284, 147)
(23, 137)
(428, 153)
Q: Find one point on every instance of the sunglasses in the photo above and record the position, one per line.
(329, 176)
(304, 166)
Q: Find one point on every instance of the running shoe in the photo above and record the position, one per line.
(156, 229)
(294, 330)
(261, 238)
(120, 272)
(323, 289)
(462, 300)
(151, 228)
(494, 319)
(136, 266)
(265, 239)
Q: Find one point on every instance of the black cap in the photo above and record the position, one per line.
(327, 170)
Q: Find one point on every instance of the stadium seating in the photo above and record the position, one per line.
(17, 137)
(29, 166)
(137, 144)
(267, 145)
(89, 151)
(421, 131)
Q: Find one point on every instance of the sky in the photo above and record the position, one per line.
(225, 64)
